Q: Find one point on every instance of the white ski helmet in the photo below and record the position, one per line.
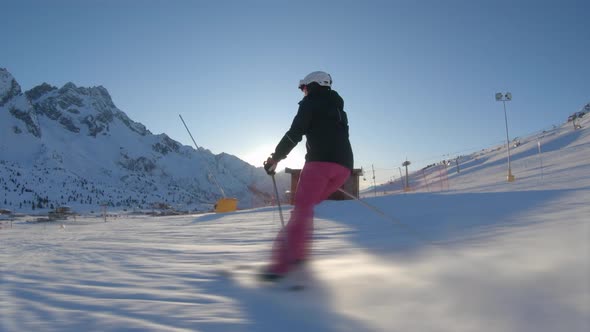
(320, 77)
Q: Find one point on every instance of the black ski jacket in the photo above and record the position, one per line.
(321, 118)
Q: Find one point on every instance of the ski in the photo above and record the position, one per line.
(251, 276)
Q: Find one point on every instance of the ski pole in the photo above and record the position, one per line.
(408, 229)
(274, 182)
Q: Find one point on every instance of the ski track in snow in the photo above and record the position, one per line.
(484, 256)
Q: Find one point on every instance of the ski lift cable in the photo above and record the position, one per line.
(210, 174)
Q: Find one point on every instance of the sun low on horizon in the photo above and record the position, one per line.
(258, 154)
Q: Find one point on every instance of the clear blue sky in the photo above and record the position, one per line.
(418, 77)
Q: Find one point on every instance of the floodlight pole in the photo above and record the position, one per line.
(374, 182)
(506, 97)
(407, 186)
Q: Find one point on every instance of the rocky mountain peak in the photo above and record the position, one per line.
(38, 91)
(9, 87)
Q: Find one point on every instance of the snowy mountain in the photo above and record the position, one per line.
(72, 146)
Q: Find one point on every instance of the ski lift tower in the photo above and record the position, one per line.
(504, 97)
(407, 186)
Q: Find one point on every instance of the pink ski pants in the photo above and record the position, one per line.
(318, 180)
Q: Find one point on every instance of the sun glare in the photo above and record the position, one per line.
(258, 155)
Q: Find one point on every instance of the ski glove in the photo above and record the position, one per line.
(270, 165)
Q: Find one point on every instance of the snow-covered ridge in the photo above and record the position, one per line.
(436, 177)
(73, 146)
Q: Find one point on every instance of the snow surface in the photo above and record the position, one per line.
(483, 255)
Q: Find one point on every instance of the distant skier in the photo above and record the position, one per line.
(328, 164)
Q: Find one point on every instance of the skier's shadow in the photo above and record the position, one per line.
(419, 221)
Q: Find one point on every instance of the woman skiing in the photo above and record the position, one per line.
(328, 164)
